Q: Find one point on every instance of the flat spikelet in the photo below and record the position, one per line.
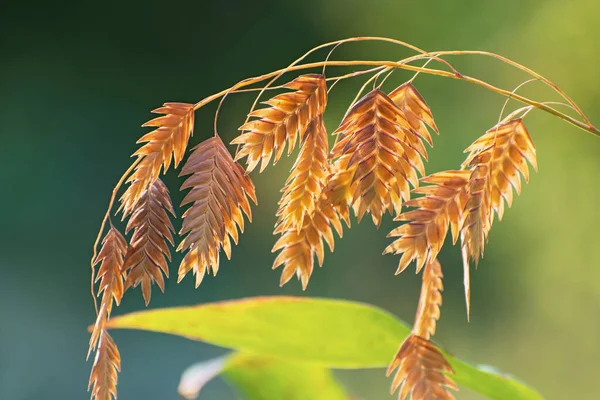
(167, 142)
(299, 247)
(287, 118)
(219, 194)
(416, 111)
(307, 179)
(430, 301)
(376, 158)
(476, 216)
(506, 148)
(421, 366)
(496, 161)
(109, 274)
(441, 207)
(146, 258)
(107, 365)
(421, 371)
(305, 216)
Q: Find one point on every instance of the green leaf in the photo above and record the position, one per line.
(329, 333)
(264, 378)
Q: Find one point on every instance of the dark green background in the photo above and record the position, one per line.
(77, 78)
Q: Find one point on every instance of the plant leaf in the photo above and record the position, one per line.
(263, 378)
(329, 333)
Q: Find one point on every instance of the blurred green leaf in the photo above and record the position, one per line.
(329, 333)
(264, 378)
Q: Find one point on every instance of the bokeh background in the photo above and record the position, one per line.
(77, 78)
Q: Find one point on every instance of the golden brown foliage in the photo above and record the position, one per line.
(496, 160)
(430, 301)
(145, 261)
(421, 371)
(416, 111)
(421, 239)
(307, 179)
(287, 119)
(167, 142)
(378, 155)
(299, 247)
(420, 364)
(506, 148)
(219, 194)
(107, 364)
(109, 274)
(305, 216)
(476, 218)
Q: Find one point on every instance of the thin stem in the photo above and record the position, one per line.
(329, 56)
(514, 91)
(418, 72)
(336, 44)
(350, 75)
(403, 65)
(525, 69)
(105, 219)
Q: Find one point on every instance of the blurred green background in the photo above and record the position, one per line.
(77, 78)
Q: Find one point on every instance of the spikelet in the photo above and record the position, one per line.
(107, 365)
(421, 366)
(513, 148)
(476, 217)
(307, 179)
(430, 301)
(164, 144)
(299, 247)
(416, 111)
(219, 194)
(496, 160)
(376, 159)
(421, 371)
(441, 207)
(145, 261)
(109, 274)
(305, 216)
(287, 119)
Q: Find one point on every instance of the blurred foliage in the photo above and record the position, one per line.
(263, 378)
(77, 78)
(310, 330)
(258, 378)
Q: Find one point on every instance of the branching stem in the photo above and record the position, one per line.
(404, 65)
(380, 67)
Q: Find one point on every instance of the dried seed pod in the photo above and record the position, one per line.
(441, 207)
(421, 366)
(421, 371)
(111, 256)
(496, 161)
(219, 195)
(304, 186)
(164, 144)
(146, 258)
(286, 120)
(376, 158)
(107, 365)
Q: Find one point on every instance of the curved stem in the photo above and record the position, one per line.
(105, 219)
(525, 69)
(514, 91)
(336, 79)
(403, 65)
(335, 45)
